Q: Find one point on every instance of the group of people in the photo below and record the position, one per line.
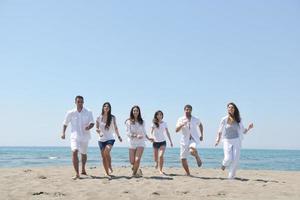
(81, 120)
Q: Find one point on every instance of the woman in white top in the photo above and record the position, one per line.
(136, 132)
(158, 129)
(231, 130)
(106, 126)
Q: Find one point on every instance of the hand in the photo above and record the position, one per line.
(217, 142)
(171, 144)
(139, 136)
(201, 138)
(250, 126)
(151, 140)
(98, 130)
(63, 136)
(120, 139)
(184, 123)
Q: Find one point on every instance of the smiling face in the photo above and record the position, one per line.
(135, 112)
(188, 111)
(106, 108)
(159, 116)
(79, 103)
(230, 109)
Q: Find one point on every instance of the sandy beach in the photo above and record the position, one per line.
(56, 183)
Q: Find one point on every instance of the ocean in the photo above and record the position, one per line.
(283, 160)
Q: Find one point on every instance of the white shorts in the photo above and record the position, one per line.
(81, 146)
(134, 145)
(185, 149)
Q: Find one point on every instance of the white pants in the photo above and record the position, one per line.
(232, 149)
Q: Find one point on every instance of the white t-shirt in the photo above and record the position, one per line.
(106, 134)
(159, 133)
(135, 128)
(191, 130)
(79, 121)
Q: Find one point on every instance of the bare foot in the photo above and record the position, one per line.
(76, 177)
(162, 173)
(139, 172)
(108, 176)
(111, 170)
(83, 173)
(199, 161)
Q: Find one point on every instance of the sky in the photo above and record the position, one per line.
(159, 55)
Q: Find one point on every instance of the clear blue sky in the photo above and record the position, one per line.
(157, 54)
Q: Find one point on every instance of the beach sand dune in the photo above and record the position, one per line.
(56, 183)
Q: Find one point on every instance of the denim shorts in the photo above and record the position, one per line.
(102, 145)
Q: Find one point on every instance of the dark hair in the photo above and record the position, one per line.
(79, 97)
(188, 106)
(155, 119)
(109, 115)
(236, 113)
(139, 118)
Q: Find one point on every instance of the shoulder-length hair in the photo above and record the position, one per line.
(155, 119)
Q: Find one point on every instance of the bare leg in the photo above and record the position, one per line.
(185, 166)
(155, 155)
(161, 158)
(83, 160)
(194, 153)
(75, 163)
(108, 157)
(137, 160)
(131, 157)
(104, 162)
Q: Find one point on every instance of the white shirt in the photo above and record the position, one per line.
(136, 129)
(158, 133)
(79, 121)
(191, 130)
(106, 134)
(223, 124)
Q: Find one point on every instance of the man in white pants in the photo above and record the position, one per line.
(190, 127)
(81, 121)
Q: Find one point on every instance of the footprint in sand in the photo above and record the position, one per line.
(42, 177)
(59, 194)
(155, 193)
(39, 193)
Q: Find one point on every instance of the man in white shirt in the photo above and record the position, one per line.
(81, 121)
(190, 127)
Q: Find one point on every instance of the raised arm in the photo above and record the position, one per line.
(250, 126)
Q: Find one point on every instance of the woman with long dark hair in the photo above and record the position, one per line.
(106, 126)
(231, 130)
(136, 132)
(158, 129)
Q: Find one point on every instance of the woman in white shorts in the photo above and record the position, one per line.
(136, 132)
(231, 130)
